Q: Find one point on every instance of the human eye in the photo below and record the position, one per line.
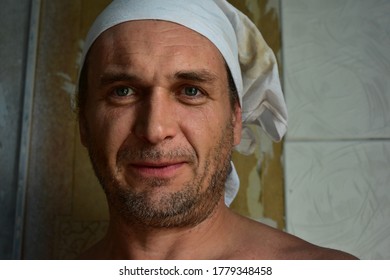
(123, 92)
(192, 95)
(191, 91)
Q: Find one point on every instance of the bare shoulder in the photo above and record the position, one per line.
(302, 250)
(259, 241)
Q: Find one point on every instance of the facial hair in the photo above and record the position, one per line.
(192, 204)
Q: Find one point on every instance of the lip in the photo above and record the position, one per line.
(157, 169)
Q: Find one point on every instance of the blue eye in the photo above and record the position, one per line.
(123, 91)
(191, 91)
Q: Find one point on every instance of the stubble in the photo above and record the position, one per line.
(193, 203)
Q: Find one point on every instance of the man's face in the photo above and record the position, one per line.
(158, 122)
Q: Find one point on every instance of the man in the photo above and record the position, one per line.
(163, 91)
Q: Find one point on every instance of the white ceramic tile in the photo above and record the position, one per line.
(336, 63)
(338, 195)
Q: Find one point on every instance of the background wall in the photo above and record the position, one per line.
(51, 205)
(261, 194)
(13, 50)
(337, 153)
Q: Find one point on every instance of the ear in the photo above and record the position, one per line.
(237, 123)
(83, 130)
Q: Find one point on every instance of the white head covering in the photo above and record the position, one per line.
(250, 60)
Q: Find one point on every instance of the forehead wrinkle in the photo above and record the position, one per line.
(127, 63)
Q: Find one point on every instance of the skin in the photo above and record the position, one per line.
(160, 128)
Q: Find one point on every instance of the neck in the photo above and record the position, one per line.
(206, 240)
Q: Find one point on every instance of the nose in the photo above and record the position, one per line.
(156, 120)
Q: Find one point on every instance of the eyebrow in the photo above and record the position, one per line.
(202, 75)
(112, 77)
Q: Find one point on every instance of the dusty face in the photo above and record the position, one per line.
(158, 123)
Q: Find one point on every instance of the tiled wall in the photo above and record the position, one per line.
(336, 60)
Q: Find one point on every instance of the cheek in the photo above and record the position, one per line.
(203, 127)
(108, 130)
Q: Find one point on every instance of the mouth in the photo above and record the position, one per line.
(157, 169)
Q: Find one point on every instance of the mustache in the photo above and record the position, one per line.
(156, 154)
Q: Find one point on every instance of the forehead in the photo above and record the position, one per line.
(155, 40)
